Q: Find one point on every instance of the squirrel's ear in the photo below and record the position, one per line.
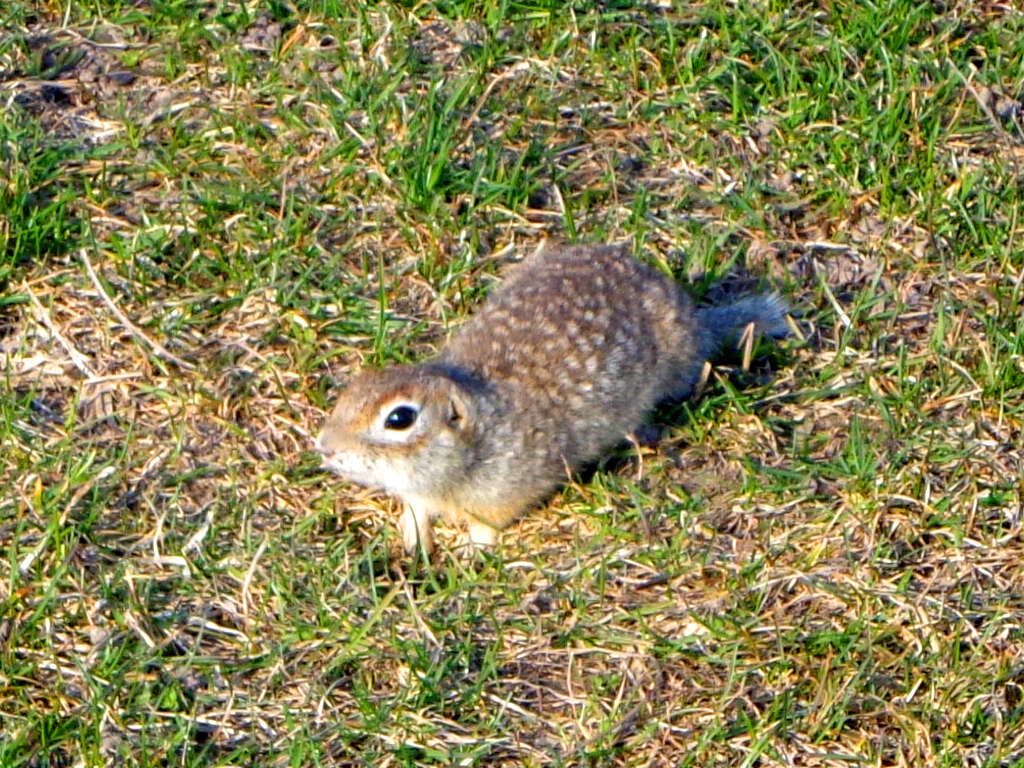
(459, 409)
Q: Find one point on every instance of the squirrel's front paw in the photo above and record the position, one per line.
(417, 531)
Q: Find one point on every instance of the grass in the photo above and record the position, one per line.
(822, 562)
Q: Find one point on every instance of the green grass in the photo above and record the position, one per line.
(822, 561)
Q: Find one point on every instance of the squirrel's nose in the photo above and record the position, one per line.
(318, 444)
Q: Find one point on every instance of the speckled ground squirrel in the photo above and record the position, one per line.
(558, 365)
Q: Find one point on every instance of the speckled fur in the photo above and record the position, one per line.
(562, 362)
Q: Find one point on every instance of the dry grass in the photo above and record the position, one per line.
(822, 563)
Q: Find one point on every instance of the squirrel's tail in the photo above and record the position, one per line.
(724, 324)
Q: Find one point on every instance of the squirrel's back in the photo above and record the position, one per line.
(582, 341)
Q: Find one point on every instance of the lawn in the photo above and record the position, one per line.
(213, 213)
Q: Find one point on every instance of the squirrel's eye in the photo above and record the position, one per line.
(401, 417)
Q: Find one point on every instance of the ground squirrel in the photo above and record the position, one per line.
(558, 365)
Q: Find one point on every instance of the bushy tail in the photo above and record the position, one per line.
(724, 324)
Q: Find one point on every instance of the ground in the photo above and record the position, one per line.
(213, 213)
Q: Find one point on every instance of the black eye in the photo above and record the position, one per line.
(401, 417)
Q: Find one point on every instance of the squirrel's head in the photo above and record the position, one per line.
(407, 430)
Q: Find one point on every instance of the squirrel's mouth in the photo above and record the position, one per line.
(331, 465)
(330, 458)
(348, 467)
(356, 467)
(334, 462)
